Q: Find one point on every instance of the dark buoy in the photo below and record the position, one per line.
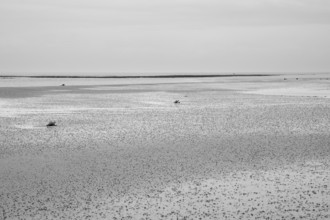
(176, 102)
(51, 123)
(63, 84)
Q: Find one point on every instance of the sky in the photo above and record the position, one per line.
(172, 36)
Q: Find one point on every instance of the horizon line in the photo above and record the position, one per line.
(137, 76)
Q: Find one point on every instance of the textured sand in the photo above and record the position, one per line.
(125, 151)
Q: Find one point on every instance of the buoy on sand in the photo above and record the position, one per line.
(51, 123)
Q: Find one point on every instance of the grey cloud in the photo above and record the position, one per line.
(170, 13)
(185, 35)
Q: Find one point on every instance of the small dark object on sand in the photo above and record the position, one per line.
(63, 84)
(51, 123)
(176, 101)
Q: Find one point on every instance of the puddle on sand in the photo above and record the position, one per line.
(28, 126)
(294, 91)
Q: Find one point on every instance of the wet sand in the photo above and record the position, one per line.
(234, 148)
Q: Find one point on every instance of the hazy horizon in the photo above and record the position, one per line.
(133, 37)
(147, 74)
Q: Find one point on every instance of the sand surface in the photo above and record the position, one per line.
(234, 148)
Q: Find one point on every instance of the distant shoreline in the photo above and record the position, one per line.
(144, 76)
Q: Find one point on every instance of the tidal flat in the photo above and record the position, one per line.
(253, 147)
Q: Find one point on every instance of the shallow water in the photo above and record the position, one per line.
(119, 153)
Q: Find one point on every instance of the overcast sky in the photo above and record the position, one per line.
(164, 35)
